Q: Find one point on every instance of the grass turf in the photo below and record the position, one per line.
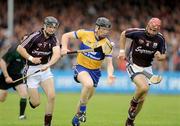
(103, 110)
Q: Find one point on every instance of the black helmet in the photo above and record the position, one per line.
(103, 22)
(51, 21)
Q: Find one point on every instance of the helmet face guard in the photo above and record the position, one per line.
(50, 25)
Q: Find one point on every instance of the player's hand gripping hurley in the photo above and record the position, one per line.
(154, 79)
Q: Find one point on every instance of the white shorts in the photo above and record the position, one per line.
(34, 80)
(133, 71)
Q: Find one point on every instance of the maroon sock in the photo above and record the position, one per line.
(129, 121)
(132, 109)
(47, 119)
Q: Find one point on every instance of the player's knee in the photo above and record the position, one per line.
(35, 103)
(144, 89)
(2, 99)
(24, 95)
(51, 97)
(89, 85)
(83, 101)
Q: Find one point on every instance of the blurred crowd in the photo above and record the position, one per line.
(77, 14)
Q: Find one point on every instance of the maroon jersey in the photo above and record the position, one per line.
(143, 47)
(37, 45)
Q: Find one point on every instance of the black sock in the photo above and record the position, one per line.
(22, 104)
(47, 119)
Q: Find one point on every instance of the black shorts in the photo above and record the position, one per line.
(5, 86)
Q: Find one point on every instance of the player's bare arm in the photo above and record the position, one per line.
(110, 70)
(3, 65)
(159, 56)
(4, 48)
(55, 56)
(22, 51)
(64, 41)
(122, 42)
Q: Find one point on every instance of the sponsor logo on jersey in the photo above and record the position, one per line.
(140, 50)
(141, 41)
(155, 45)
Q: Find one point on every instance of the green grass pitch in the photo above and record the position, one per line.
(103, 110)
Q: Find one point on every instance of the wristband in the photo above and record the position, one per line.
(30, 58)
(121, 50)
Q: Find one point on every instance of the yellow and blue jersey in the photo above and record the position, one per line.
(90, 60)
